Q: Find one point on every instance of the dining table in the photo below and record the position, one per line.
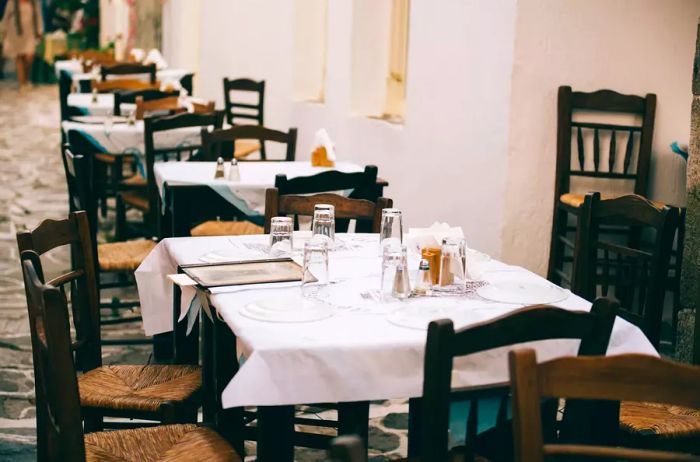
(348, 343)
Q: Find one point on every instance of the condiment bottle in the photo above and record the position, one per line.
(402, 286)
(233, 173)
(94, 95)
(219, 168)
(424, 280)
(433, 254)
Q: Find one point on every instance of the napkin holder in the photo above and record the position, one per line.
(319, 158)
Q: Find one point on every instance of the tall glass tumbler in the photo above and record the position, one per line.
(452, 263)
(323, 225)
(281, 236)
(315, 276)
(391, 230)
(395, 281)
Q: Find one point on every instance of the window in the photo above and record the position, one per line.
(310, 50)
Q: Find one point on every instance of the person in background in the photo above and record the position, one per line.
(3, 4)
(23, 27)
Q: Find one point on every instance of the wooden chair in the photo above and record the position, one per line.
(129, 69)
(629, 144)
(239, 112)
(123, 84)
(118, 259)
(165, 393)
(129, 96)
(540, 322)
(163, 106)
(624, 377)
(146, 198)
(60, 395)
(634, 275)
(360, 210)
(218, 143)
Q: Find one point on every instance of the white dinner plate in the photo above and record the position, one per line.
(286, 310)
(522, 292)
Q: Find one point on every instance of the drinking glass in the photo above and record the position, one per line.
(109, 122)
(315, 276)
(452, 263)
(323, 224)
(391, 231)
(395, 283)
(281, 232)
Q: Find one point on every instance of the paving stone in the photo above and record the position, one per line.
(396, 421)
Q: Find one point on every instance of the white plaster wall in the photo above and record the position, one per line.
(182, 23)
(632, 46)
(448, 161)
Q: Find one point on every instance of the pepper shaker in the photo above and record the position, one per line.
(233, 173)
(424, 279)
(219, 168)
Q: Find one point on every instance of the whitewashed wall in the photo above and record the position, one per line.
(632, 46)
(469, 152)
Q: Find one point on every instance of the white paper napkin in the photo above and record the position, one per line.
(418, 238)
(323, 139)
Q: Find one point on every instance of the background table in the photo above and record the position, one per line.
(102, 107)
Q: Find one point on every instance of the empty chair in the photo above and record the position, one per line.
(123, 84)
(618, 159)
(428, 429)
(129, 96)
(296, 206)
(246, 139)
(624, 377)
(129, 69)
(166, 393)
(60, 394)
(245, 112)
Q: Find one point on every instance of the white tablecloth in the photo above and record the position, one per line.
(123, 138)
(75, 70)
(102, 107)
(248, 194)
(354, 355)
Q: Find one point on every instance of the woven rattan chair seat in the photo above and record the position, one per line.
(172, 443)
(142, 388)
(659, 420)
(226, 228)
(123, 256)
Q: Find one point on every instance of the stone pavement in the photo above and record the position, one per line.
(33, 190)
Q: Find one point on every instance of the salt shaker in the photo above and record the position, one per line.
(402, 286)
(94, 95)
(424, 279)
(233, 173)
(219, 168)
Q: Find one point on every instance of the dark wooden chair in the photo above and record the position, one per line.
(636, 276)
(61, 396)
(165, 393)
(624, 377)
(129, 69)
(115, 260)
(145, 197)
(360, 210)
(129, 96)
(626, 161)
(348, 448)
(429, 416)
(218, 143)
(238, 113)
(110, 86)
(65, 83)
(632, 274)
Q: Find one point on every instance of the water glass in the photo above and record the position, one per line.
(281, 235)
(391, 231)
(395, 282)
(315, 276)
(453, 263)
(323, 224)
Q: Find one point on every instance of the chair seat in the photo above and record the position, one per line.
(226, 228)
(163, 443)
(135, 180)
(136, 199)
(245, 148)
(111, 158)
(138, 388)
(576, 200)
(661, 420)
(123, 256)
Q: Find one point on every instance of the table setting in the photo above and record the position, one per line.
(358, 311)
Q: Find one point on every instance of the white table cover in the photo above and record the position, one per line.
(352, 356)
(102, 107)
(248, 194)
(123, 138)
(75, 69)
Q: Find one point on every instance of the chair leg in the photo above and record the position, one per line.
(120, 220)
(93, 421)
(556, 248)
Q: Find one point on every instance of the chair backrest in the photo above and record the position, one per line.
(629, 146)
(168, 105)
(80, 279)
(634, 273)
(248, 111)
(624, 377)
(218, 143)
(65, 83)
(154, 125)
(123, 84)
(360, 210)
(529, 324)
(59, 422)
(128, 68)
(129, 96)
(77, 168)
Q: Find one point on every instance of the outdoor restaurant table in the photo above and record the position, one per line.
(103, 106)
(193, 183)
